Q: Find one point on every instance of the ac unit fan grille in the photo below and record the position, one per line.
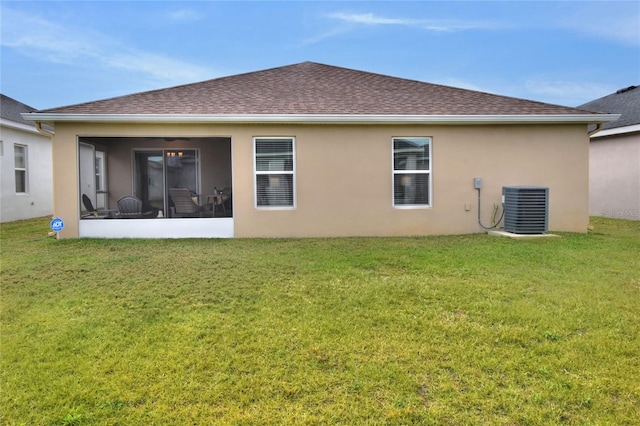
(526, 209)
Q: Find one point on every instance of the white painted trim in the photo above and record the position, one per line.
(426, 172)
(18, 126)
(156, 228)
(24, 169)
(322, 118)
(617, 131)
(292, 173)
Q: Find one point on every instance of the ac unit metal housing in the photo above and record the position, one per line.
(526, 209)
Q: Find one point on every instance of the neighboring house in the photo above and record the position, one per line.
(614, 157)
(26, 170)
(312, 150)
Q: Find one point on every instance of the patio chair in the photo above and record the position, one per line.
(130, 207)
(227, 202)
(93, 213)
(183, 204)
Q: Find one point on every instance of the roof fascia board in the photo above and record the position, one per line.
(18, 126)
(617, 131)
(322, 118)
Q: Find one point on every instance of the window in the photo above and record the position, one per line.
(412, 171)
(274, 171)
(100, 186)
(20, 159)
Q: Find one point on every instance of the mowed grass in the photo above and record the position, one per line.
(378, 331)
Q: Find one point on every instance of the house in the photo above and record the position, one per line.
(614, 157)
(313, 150)
(26, 189)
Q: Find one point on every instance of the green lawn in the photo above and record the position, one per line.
(441, 330)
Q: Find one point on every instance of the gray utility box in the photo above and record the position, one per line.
(526, 209)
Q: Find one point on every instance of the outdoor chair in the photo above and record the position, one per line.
(130, 207)
(219, 201)
(93, 213)
(227, 202)
(183, 204)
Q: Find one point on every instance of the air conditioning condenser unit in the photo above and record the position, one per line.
(526, 209)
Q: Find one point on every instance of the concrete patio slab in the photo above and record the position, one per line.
(520, 236)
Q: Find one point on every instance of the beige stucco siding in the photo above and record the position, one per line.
(344, 180)
(344, 175)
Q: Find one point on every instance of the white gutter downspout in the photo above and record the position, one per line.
(43, 131)
(596, 130)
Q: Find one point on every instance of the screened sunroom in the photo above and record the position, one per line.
(170, 185)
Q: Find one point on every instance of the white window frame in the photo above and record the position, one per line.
(24, 170)
(395, 172)
(99, 168)
(291, 172)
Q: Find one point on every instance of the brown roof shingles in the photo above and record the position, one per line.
(312, 88)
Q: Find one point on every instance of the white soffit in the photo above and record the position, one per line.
(18, 126)
(617, 131)
(321, 118)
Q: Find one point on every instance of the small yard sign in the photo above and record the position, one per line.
(57, 224)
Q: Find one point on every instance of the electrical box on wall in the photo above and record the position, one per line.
(477, 183)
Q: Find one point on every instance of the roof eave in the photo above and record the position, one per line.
(321, 118)
(617, 131)
(18, 126)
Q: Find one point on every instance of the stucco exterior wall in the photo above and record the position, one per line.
(614, 180)
(344, 175)
(38, 200)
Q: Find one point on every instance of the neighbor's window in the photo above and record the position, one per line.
(274, 172)
(412, 171)
(20, 159)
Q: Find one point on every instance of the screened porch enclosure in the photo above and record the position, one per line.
(151, 172)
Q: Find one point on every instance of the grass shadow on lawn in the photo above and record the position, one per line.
(441, 330)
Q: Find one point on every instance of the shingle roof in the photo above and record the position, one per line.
(624, 101)
(10, 109)
(313, 88)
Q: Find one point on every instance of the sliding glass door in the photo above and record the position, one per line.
(158, 170)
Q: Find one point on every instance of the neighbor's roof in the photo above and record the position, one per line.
(625, 102)
(311, 91)
(10, 109)
(11, 115)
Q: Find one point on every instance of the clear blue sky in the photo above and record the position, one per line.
(57, 53)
